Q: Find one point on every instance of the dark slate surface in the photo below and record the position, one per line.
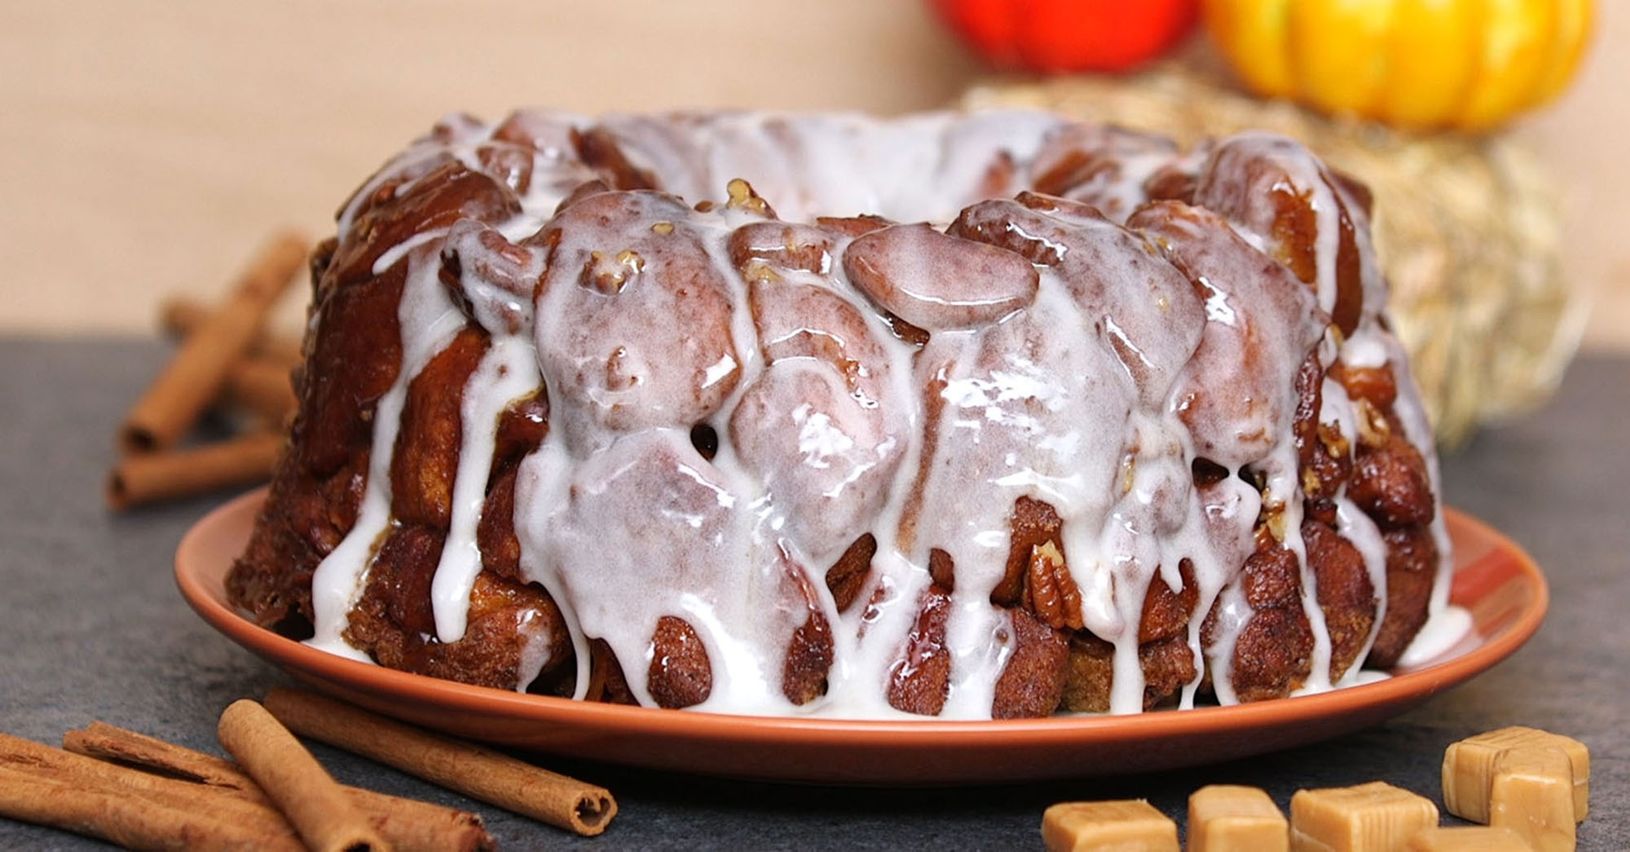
(93, 629)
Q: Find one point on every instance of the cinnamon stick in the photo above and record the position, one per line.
(244, 460)
(129, 821)
(195, 375)
(306, 794)
(259, 381)
(408, 825)
(180, 316)
(128, 748)
(55, 764)
(476, 772)
(95, 799)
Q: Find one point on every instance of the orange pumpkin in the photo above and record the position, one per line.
(1468, 64)
(1069, 35)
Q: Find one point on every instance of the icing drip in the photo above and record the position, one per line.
(1446, 628)
(735, 401)
(428, 321)
(1357, 528)
(507, 372)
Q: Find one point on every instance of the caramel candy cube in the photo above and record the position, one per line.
(1132, 825)
(1476, 838)
(1532, 794)
(1228, 818)
(1373, 817)
(1468, 769)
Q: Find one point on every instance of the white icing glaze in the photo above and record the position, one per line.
(507, 372)
(1441, 632)
(428, 320)
(1095, 393)
(1356, 527)
(1412, 413)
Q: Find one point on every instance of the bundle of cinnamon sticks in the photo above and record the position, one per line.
(145, 793)
(226, 359)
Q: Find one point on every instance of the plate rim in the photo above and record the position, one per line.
(293, 656)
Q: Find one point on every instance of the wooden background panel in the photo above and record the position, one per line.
(147, 147)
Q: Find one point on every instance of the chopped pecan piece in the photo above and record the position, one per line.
(1050, 592)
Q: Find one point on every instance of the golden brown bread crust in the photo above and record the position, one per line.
(1273, 203)
(810, 651)
(425, 460)
(1167, 665)
(1166, 613)
(1032, 684)
(680, 674)
(600, 151)
(809, 658)
(850, 573)
(1273, 654)
(393, 621)
(521, 428)
(1390, 483)
(437, 198)
(302, 520)
(1344, 592)
(1412, 561)
(352, 357)
(921, 679)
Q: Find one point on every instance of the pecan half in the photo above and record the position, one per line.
(1050, 592)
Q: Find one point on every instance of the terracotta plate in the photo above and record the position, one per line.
(1494, 579)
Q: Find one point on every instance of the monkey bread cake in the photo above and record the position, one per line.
(967, 416)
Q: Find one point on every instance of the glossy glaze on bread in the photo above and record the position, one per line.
(958, 416)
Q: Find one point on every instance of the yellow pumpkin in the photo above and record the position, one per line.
(1469, 64)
